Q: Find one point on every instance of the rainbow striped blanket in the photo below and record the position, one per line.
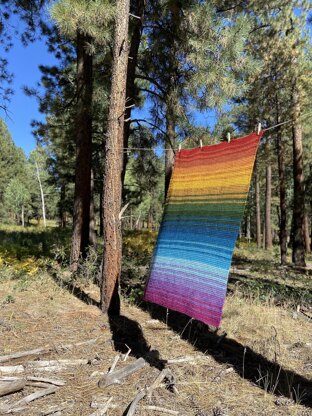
(204, 208)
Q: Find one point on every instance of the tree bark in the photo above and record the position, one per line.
(282, 192)
(23, 216)
(169, 144)
(138, 10)
(81, 220)
(298, 253)
(41, 195)
(306, 234)
(268, 203)
(111, 264)
(92, 235)
(62, 211)
(258, 211)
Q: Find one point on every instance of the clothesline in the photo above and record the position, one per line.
(265, 129)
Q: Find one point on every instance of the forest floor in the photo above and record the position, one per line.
(258, 363)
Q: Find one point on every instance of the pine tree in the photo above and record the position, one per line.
(113, 164)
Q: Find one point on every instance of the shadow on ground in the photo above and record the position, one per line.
(268, 375)
(250, 365)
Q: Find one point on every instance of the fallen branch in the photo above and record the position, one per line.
(161, 409)
(31, 397)
(47, 380)
(40, 351)
(116, 359)
(11, 369)
(164, 374)
(8, 387)
(116, 377)
(103, 409)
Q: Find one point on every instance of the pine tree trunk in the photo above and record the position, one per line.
(62, 212)
(92, 235)
(258, 211)
(306, 234)
(111, 265)
(138, 10)
(298, 253)
(169, 144)
(81, 220)
(268, 204)
(42, 196)
(282, 192)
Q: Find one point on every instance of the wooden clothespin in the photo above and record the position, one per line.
(258, 128)
(228, 136)
(201, 143)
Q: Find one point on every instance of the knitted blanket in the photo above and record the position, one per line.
(204, 208)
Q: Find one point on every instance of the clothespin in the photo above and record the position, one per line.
(258, 128)
(179, 147)
(228, 136)
(201, 143)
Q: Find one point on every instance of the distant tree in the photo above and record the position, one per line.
(16, 199)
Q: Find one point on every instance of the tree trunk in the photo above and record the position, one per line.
(268, 203)
(169, 144)
(23, 216)
(258, 211)
(111, 265)
(306, 234)
(62, 211)
(92, 235)
(42, 196)
(81, 220)
(137, 26)
(282, 192)
(298, 253)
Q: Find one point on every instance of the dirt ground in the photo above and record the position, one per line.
(258, 363)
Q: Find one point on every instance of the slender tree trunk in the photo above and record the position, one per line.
(306, 234)
(137, 26)
(42, 196)
(258, 211)
(111, 265)
(263, 235)
(298, 253)
(81, 220)
(268, 204)
(282, 192)
(62, 211)
(23, 216)
(101, 214)
(169, 144)
(311, 227)
(92, 236)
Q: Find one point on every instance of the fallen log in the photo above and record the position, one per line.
(116, 377)
(40, 351)
(8, 387)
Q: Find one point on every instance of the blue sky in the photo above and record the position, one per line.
(23, 63)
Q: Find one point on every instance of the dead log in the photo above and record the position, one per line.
(8, 387)
(40, 351)
(116, 377)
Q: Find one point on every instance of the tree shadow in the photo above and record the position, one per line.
(248, 364)
(74, 290)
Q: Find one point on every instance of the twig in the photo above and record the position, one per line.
(103, 409)
(116, 359)
(47, 380)
(117, 376)
(161, 409)
(11, 369)
(164, 374)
